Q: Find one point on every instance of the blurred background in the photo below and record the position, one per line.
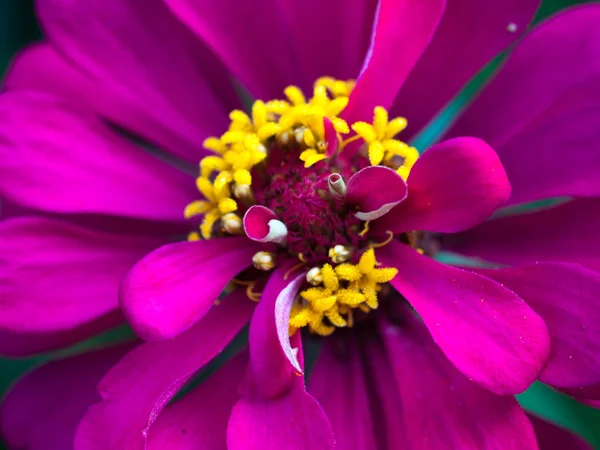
(18, 28)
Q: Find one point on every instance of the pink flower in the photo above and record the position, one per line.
(316, 207)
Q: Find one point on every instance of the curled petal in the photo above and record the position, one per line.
(453, 186)
(261, 225)
(374, 191)
(272, 357)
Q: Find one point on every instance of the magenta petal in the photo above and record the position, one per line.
(43, 409)
(59, 159)
(150, 74)
(173, 287)
(567, 297)
(46, 266)
(552, 437)
(283, 308)
(374, 191)
(389, 423)
(261, 225)
(272, 357)
(316, 52)
(250, 38)
(331, 137)
(199, 420)
(452, 186)
(550, 109)
(18, 343)
(345, 400)
(444, 409)
(485, 330)
(292, 422)
(469, 35)
(536, 160)
(401, 31)
(136, 390)
(568, 233)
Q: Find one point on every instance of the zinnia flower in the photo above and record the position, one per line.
(316, 218)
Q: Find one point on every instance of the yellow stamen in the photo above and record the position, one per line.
(340, 290)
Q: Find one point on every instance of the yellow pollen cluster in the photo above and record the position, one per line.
(382, 147)
(344, 288)
(225, 177)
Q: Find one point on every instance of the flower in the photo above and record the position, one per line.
(333, 230)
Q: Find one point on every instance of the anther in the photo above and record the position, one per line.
(244, 193)
(284, 138)
(314, 276)
(299, 134)
(340, 253)
(232, 224)
(264, 261)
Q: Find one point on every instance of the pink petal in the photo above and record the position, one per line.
(59, 78)
(199, 420)
(345, 400)
(316, 52)
(550, 109)
(136, 390)
(18, 343)
(275, 411)
(551, 437)
(250, 38)
(56, 278)
(173, 287)
(261, 225)
(152, 76)
(43, 409)
(389, 420)
(272, 357)
(568, 232)
(452, 186)
(60, 159)
(469, 35)
(283, 309)
(401, 31)
(567, 297)
(331, 137)
(485, 330)
(443, 409)
(374, 191)
(292, 422)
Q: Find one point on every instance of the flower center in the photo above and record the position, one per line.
(300, 198)
(278, 175)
